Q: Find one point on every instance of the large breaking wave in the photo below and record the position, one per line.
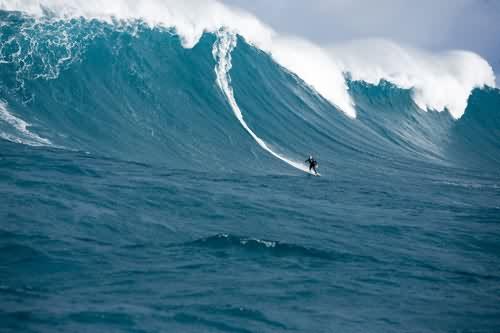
(177, 83)
(439, 80)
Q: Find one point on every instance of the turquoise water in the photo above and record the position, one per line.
(136, 202)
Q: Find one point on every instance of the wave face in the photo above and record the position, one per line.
(130, 162)
(133, 92)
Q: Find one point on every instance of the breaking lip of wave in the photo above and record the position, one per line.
(439, 81)
(454, 74)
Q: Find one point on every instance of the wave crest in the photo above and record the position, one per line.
(441, 81)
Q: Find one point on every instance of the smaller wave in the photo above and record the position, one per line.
(22, 135)
(468, 185)
(270, 247)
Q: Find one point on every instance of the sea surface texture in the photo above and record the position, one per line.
(150, 187)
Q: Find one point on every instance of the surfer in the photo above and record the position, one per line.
(312, 164)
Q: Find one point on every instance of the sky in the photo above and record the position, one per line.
(435, 25)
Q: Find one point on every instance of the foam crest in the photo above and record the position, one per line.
(314, 65)
(438, 81)
(189, 18)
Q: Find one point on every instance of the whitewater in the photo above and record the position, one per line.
(151, 176)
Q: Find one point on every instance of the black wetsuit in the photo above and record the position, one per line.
(312, 164)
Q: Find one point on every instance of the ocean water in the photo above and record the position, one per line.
(149, 187)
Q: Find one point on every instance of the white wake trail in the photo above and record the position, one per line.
(24, 135)
(224, 45)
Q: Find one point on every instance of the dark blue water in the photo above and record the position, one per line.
(136, 202)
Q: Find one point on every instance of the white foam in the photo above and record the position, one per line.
(226, 42)
(438, 81)
(314, 65)
(23, 136)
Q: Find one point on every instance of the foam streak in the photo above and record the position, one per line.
(225, 44)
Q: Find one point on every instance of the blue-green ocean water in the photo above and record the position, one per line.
(135, 201)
